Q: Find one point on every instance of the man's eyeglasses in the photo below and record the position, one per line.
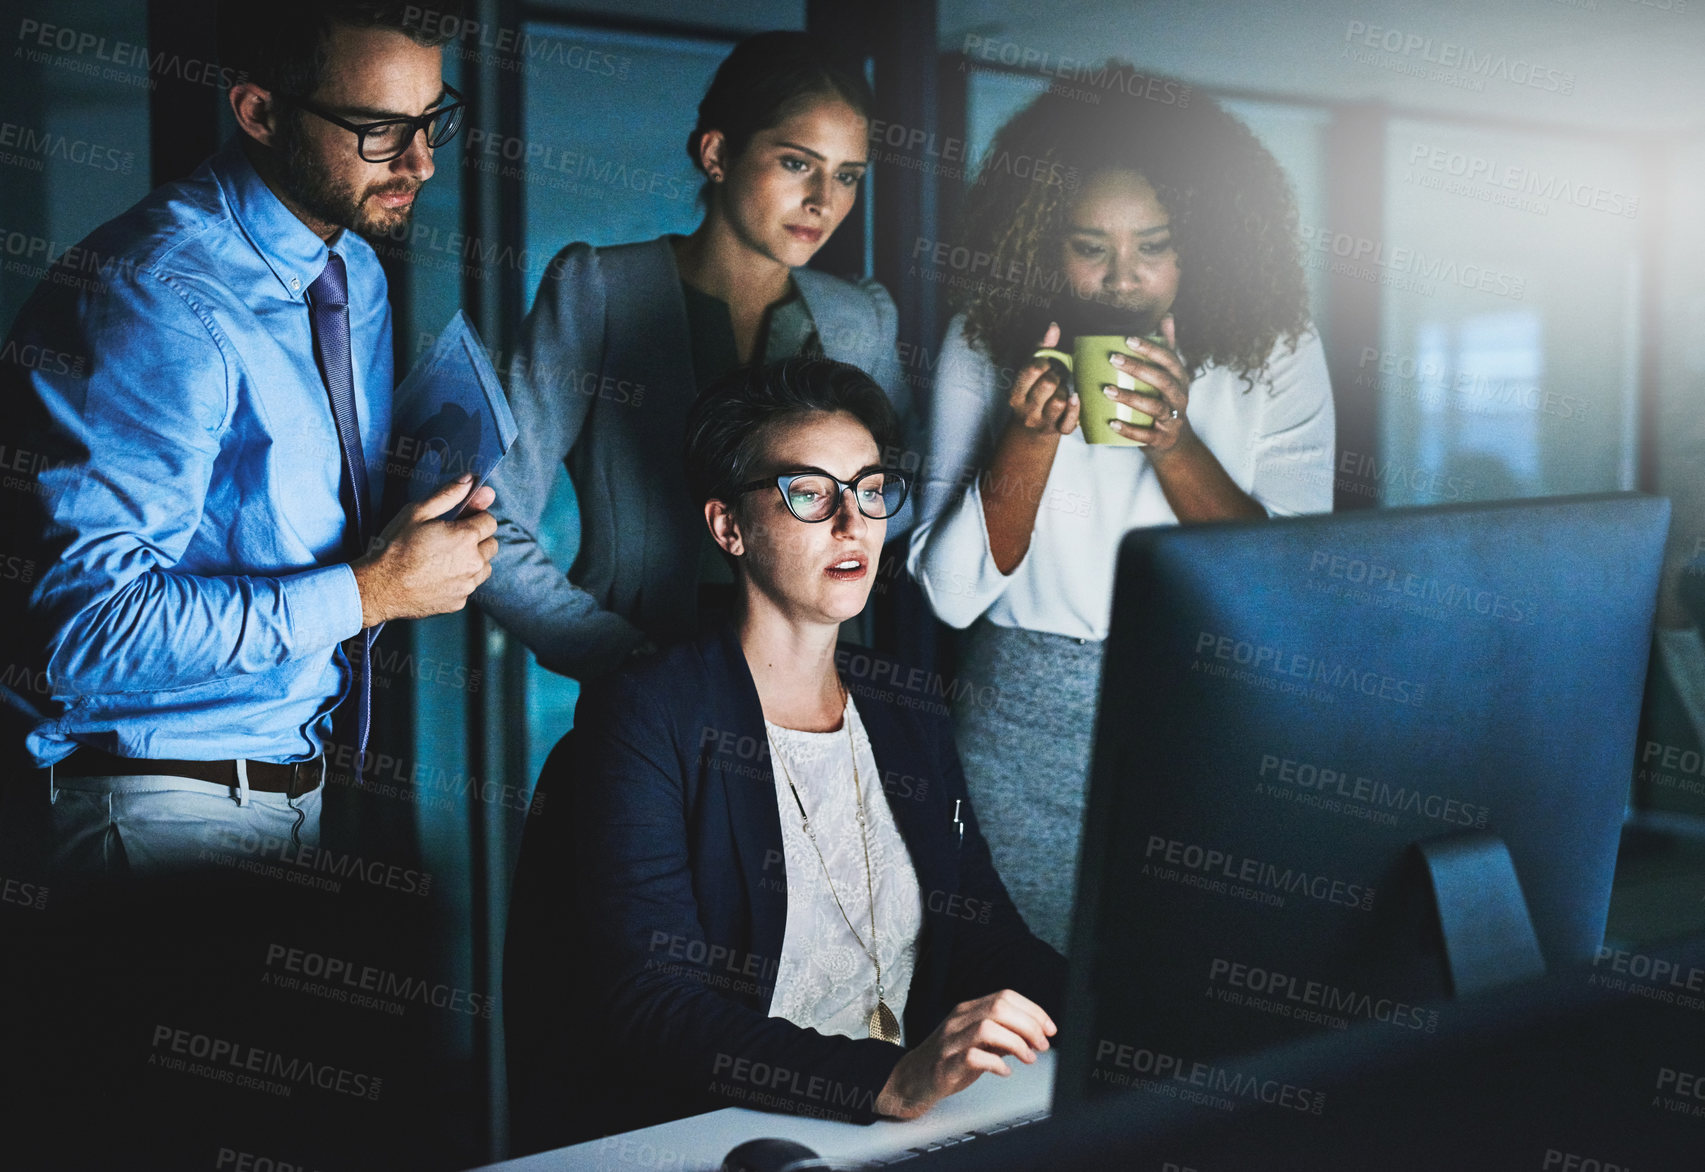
(382, 141)
(816, 496)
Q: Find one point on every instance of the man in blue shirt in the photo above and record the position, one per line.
(204, 481)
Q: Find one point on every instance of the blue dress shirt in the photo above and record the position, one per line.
(184, 507)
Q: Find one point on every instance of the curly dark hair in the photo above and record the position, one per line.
(1234, 219)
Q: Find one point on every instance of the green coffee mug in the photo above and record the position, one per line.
(1091, 367)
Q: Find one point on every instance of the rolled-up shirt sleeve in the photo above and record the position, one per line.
(128, 454)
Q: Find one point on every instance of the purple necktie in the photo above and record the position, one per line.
(328, 301)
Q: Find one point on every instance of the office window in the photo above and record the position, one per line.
(1473, 383)
(1509, 274)
(76, 142)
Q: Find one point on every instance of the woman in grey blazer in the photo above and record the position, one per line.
(620, 340)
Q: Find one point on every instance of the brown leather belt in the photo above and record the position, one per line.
(264, 776)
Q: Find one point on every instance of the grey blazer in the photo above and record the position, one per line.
(602, 381)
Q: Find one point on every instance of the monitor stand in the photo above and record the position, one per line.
(1488, 934)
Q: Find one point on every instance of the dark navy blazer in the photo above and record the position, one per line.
(680, 894)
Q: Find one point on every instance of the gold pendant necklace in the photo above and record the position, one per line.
(882, 1023)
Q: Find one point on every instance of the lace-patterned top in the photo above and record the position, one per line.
(825, 980)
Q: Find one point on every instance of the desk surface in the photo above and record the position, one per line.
(699, 1142)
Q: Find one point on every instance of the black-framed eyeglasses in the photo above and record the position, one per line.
(389, 138)
(813, 495)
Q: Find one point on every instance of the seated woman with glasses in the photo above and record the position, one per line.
(772, 864)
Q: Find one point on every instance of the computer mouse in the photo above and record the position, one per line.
(766, 1155)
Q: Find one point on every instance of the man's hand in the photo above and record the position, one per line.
(969, 1042)
(420, 566)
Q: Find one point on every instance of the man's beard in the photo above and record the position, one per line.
(310, 183)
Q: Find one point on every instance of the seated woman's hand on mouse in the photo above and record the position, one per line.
(969, 1042)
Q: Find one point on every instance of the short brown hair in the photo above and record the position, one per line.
(727, 424)
(285, 52)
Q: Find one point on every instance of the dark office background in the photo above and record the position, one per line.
(1486, 341)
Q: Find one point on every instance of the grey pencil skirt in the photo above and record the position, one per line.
(1024, 728)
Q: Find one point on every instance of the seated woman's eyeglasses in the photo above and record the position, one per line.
(382, 141)
(814, 495)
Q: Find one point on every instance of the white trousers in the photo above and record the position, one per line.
(152, 825)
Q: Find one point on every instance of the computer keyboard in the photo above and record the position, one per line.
(948, 1141)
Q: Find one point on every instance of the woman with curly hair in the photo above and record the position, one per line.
(1131, 218)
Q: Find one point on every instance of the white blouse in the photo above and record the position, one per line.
(825, 980)
(1275, 440)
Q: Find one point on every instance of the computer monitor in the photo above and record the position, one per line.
(1346, 766)
(1592, 1069)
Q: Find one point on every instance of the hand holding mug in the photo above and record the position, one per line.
(1042, 402)
(1094, 362)
(1154, 364)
